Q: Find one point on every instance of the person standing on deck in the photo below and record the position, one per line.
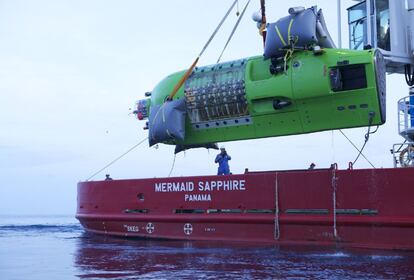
(223, 160)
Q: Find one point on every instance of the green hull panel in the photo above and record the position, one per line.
(336, 89)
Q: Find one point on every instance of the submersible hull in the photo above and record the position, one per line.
(371, 208)
(254, 98)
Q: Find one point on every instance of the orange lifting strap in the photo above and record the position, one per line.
(188, 72)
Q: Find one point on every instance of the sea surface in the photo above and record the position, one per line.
(58, 248)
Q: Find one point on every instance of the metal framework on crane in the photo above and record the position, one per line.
(386, 25)
(389, 26)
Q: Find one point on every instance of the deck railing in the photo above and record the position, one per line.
(406, 117)
(403, 154)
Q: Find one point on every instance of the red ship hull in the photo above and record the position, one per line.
(371, 208)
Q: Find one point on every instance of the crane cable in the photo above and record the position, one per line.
(172, 166)
(188, 72)
(233, 31)
(371, 118)
(117, 158)
(356, 148)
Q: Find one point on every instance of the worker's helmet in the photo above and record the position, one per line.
(222, 148)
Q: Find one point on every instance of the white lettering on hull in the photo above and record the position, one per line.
(174, 187)
(197, 197)
(228, 185)
(131, 228)
(202, 186)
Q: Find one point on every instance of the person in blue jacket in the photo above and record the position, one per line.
(223, 160)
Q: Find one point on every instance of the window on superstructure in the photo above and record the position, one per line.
(357, 21)
(383, 24)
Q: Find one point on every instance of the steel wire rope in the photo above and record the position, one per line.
(190, 70)
(332, 146)
(172, 166)
(117, 158)
(371, 118)
(233, 31)
(360, 151)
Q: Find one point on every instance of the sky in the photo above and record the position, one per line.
(72, 70)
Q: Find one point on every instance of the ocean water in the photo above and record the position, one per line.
(58, 248)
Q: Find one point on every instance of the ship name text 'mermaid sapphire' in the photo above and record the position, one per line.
(190, 187)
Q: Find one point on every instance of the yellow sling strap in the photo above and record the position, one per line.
(280, 35)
